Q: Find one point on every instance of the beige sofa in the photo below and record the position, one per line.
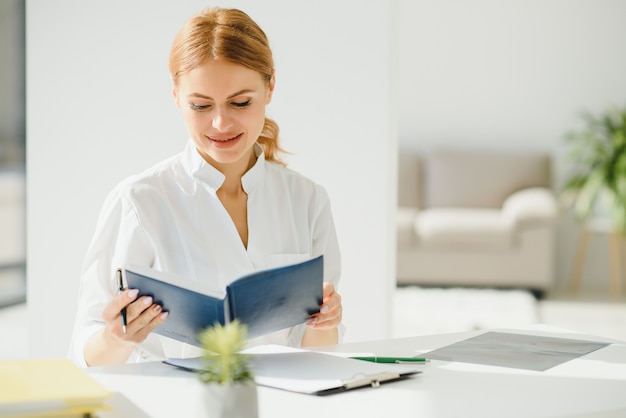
(469, 218)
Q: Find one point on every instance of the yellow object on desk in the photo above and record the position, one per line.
(48, 388)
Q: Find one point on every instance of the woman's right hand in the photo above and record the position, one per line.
(142, 316)
(111, 345)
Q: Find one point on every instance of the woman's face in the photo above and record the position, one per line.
(223, 107)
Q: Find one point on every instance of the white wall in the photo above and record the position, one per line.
(487, 73)
(511, 75)
(99, 108)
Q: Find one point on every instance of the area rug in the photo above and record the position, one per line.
(424, 311)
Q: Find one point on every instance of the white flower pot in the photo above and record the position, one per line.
(229, 401)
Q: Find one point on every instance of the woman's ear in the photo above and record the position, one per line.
(175, 95)
(271, 86)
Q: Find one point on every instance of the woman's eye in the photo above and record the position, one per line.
(198, 107)
(242, 104)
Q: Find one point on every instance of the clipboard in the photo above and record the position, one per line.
(314, 373)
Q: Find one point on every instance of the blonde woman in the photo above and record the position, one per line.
(224, 207)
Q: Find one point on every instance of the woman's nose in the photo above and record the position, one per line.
(222, 120)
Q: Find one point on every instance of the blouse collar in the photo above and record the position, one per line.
(204, 172)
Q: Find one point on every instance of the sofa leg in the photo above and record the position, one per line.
(579, 262)
(538, 294)
(615, 250)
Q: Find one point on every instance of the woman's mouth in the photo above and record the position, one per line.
(225, 140)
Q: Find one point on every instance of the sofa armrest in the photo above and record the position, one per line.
(531, 206)
(405, 226)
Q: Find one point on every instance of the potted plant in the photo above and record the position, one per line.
(229, 387)
(598, 181)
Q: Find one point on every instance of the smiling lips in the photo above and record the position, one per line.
(225, 140)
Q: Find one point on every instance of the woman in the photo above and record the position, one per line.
(224, 207)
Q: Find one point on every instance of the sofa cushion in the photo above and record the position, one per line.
(455, 226)
(481, 179)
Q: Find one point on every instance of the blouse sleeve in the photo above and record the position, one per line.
(325, 242)
(118, 241)
(325, 239)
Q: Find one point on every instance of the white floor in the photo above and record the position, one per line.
(422, 311)
(434, 311)
(605, 318)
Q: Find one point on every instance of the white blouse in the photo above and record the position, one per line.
(170, 218)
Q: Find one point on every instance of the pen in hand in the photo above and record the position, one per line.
(120, 287)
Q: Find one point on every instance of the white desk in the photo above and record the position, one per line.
(590, 386)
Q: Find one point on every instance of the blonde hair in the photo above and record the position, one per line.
(231, 35)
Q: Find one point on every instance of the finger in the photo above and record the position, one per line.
(146, 322)
(328, 290)
(330, 320)
(330, 314)
(332, 301)
(113, 310)
(136, 308)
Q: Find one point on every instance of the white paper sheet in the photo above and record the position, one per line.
(521, 351)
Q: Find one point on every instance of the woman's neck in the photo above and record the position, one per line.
(234, 172)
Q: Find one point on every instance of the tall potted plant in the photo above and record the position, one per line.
(229, 388)
(598, 153)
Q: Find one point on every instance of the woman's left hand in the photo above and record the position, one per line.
(330, 313)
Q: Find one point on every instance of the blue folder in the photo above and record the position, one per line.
(266, 301)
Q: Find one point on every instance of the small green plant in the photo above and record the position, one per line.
(224, 362)
(598, 153)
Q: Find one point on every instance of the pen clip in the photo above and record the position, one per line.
(120, 288)
(120, 280)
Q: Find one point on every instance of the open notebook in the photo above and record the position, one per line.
(291, 294)
(312, 372)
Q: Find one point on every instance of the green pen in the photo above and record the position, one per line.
(397, 360)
